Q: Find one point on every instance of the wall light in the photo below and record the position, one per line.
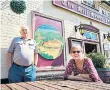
(81, 30)
(107, 36)
(75, 28)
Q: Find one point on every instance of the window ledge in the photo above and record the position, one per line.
(90, 6)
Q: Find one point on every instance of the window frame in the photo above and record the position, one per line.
(85, 2)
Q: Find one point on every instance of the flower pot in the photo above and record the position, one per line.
(104, 74)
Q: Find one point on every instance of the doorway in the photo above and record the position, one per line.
(90, 48)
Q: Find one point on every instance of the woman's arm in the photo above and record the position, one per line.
(92, 71)
(68, 70)
(86, 76)
(78, 78)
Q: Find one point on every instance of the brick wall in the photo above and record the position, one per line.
(10, 26)
(11, 23)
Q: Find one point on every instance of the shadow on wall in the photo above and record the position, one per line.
(4, 68)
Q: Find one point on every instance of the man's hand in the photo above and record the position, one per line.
(35, 59)
(9, 67)
(9, 62)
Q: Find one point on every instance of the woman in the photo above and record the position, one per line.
(80, 67)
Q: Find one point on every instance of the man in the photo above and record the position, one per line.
(22, 58)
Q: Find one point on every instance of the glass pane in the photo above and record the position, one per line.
(94, 36)
(90, 35)
(76, 43)
(89, 2)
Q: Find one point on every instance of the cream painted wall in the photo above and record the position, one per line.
(10, 26)
(11, 22)
(70, 19)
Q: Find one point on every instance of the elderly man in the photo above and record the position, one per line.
(22, 58)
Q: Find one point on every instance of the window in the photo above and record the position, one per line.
(90, 35)
(109, 14)
(104, 11)
(74, 41)
(89, 3)
(90, 47)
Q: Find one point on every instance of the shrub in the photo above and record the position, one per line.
(18, 6)
(98, 59)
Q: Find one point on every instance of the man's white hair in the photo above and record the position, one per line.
(24, 28)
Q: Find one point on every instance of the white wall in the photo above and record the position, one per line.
(10, 26)
(11, 23)
(70, 19)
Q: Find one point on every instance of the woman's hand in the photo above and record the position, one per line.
(79, 77)
(84, 76)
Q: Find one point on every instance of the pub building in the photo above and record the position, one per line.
(86, 23)
(69, 22)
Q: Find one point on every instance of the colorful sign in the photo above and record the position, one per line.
(49, 41)
(48, 34)
(80, 9)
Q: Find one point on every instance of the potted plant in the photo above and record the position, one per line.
(18, 6)
(100, 64)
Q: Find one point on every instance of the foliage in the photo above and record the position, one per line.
(46, 55)
(98, 59)
(18, 6)
(48, 35)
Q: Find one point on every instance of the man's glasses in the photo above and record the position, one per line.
(25, 31)
(76, 51)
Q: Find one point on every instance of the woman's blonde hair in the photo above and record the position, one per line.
(76, 46)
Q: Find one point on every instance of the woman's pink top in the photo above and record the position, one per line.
(88, 68)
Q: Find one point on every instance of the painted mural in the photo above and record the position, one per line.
(48, 34)
(49, 41)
